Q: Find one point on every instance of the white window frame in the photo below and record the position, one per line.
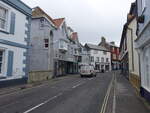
(63, 45)
(102, 59)
(7, 17)
(97, 59)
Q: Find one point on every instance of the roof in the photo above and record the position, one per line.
(123, 34)
(69, 28)
(92, 46)
(74, 36)
(112, 44)
(58, 22)
(38, 12)
(19, 5)
(132, 14)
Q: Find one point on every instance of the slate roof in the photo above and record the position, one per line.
(92, 46)
(38, 12)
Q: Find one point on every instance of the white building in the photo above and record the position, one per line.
(15, 19)
(100, 57)
(143, 45)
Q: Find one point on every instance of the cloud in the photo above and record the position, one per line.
(90, 18)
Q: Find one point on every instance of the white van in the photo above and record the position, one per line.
(87, 70)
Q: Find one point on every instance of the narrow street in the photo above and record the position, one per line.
(69, 95)
(107, 93)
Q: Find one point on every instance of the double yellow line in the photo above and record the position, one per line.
(105, 102)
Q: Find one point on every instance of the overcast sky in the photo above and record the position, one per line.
(90, 18)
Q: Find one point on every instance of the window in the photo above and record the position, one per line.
(41, 22)
(114, 56)
(107, 59)
(112, 49)
(63, 45)
(46, 43)
(75, 51)
(3, 18)
(92, 59)
(63, 30)
(104, 52)
(1, 60)
(95, 52)
(102, 59)
(80, 59)
(97, 59)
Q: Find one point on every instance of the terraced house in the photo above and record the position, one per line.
(100, 57)
(143, 45)
(111, 46)
(15, 18)
(41, 50)
(54, 48)
(129, 55)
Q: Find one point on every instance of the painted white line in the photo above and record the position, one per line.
(90, 78)
(39, 105)
(78, 85)
(22, 91)
(104, 105)
(114, 97)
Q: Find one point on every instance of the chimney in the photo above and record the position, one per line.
(103, 40)
(129, 17)
(112, 42)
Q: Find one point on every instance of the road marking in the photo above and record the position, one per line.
(25, 90)
(78, 85)
(114, 97)
(90, 78)
(41, 104)
(104, 105)
(34, 87)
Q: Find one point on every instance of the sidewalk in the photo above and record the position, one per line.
(123, 98)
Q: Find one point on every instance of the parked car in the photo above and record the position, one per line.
(87, 70)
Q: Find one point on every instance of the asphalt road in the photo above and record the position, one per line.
(67, 95)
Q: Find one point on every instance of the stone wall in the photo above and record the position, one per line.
(135, 81)
(37, 76)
